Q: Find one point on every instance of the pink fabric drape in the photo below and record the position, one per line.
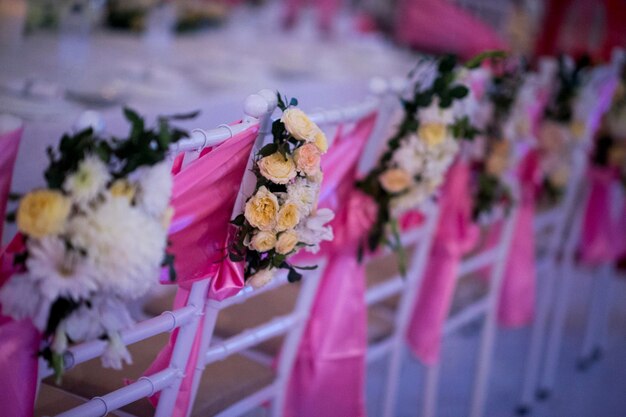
(328, 378)
(602, 238)
(9, 144)
(203, 199)
(456, 234)
(19, 344)
(517, 297)
(440, 27)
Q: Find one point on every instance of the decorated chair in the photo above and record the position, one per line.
(204, 194)
(264, 326)
(561, 228)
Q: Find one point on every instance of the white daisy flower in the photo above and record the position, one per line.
(104, 314)
(314, 229)
(89, 180)
(61, 272)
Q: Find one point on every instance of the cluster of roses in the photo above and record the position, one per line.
(282, 216)
(93, 240)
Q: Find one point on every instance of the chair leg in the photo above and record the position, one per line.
(597, 319)
(431, 390)
(557, 324)
(485, 357)
(393, 377)
(537, 341)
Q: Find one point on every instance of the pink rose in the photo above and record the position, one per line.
(307, 159)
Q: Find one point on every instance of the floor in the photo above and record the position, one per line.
(597, 392)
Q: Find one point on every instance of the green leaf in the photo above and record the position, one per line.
(294, 276)
(280, 103)
(182, 116)
(10, 217)
(459, 91)
(239, 220)
(447, 63)
(306, 268)
(268, 149)
(58, 365)
(477, 60)
(293, 102)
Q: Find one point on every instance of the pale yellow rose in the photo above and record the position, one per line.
(288, 217)
(395, 180)
(496, 165)
(278, 168)
(261, 278)
(432, 133)
(299, 125)
(559, 177)
(307, 159)
(263, 241)
(617, 155)
(287, 241)
(321, 142)
(261, 209)
(167, 217)
(124, 189)
(42, 213)
(578, 129)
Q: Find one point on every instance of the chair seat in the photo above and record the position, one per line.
(223, 383)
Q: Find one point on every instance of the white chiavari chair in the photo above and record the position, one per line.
(85, 378)
(560, 227)
(263, 326)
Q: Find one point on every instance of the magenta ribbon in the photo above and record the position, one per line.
(456, 234)
(203, 199)
(602, 237)
(9, 145)
(418, 25)
(517, 296)
(328, 377)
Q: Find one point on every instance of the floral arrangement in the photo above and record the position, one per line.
(562, 125)
(281, 216)
(417, 157)
(94, 238)
(502, 95)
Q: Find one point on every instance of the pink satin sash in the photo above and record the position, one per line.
(9, 144)
(418, 24)
(517, 297)
(456, 234)
(203, 199)
(602, 238)
(328, 378)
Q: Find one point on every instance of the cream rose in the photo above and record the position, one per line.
(261, 209)
(578, 129)
(287, 241)
(42, 213)
(278, 168)
(261, 278)
(299, 125)
(263, 241)
(432, 133)
(288, 217)
(496, 165)
(395, 180)
(307, 159)
(321, 142)
(559, 177)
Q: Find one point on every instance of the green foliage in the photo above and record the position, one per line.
(489, 193)
(569, 81)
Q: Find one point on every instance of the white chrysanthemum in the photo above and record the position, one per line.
(410, 200)
(124, 245)
(155, 189)
(21, 298)
(89, 180)
(116, 352)
(410, 156)
(304, 194)
(103, 314)
(314, 229)
(61, 272)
